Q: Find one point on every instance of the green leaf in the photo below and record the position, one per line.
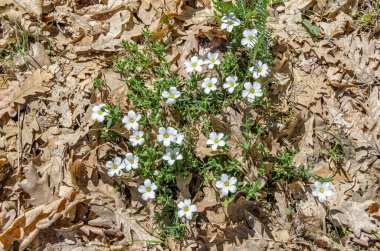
(312, 29)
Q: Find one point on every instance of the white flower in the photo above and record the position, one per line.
(212, 60)
(179, 138)
(249, 39)
(166, 135)
(155, 173)
(115, 167)
(215, 140)
(171, 95)
(194, 64)
(131, 161)
(172, 155)
(259, 70)
(209, 84)
(229, 22)
(322, 190)
(226, 185)
(230, 84)
(148, 190)
(131, 120)
(137, 138)
(99, 113)
(186, 209)
(252, 91)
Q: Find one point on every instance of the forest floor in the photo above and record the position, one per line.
(55, 193)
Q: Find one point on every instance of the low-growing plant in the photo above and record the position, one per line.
(161, 149)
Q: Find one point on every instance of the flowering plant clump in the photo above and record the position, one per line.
(169, 125)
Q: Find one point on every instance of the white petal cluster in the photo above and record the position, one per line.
(185, 208)
(229, 22)
(215, 140)
(259, 70)
(322, 190)
(171, 95)
(226, 184)
(209, 84)
(169, 135)
(251, 91)
(137, 138)
(194, 64)
(172, 155)
(250, 38)
(148, 190)
(131, 120)
(231, 83)
(99, 112)
(115, 167)
(131, 161)
(212, 60)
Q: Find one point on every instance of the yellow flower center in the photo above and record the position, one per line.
(172, 156)
(227, 183)
(230, 22)
(260, 70)
(232, 84)
(166, 135)
(216, 141)
(132, 120)
(212, 60)
(186, 209)
(115, 167)
(194, 65)
(132, 161)
(209, 85)
(171, 95)
(137, 137)
(251, 38)
(148, 189)
(100, 112)
(321, 190)
(252, 91)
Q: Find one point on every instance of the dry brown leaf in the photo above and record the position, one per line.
(38, 56)
(209, 200)
(26, 226)
(353, 214)
(338, 175)
(37, 187)
(35, 84)
(183, 185)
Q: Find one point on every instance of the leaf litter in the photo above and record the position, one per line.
(55, 193)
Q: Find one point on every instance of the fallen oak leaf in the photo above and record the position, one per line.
(353, 214)
(38, 188)
(36, 83)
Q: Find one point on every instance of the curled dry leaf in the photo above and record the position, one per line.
(27, 225)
